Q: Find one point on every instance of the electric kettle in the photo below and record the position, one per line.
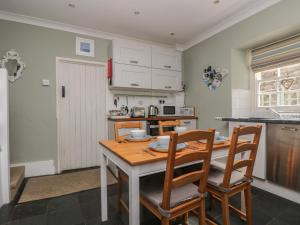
(152, 111)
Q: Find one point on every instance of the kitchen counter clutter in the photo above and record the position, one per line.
(157, 118)
(261, 120)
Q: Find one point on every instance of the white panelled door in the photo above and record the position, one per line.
(81, 91)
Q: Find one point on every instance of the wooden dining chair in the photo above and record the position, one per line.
(163, 124)
(177, 196)
(122, 177)
(237, 176)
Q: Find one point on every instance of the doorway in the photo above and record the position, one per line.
(81, 112)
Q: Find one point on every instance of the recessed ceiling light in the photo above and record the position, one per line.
(71, 5)
(216, 1)
(137, 12)
(172, 34)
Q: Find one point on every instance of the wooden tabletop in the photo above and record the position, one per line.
(134, 152)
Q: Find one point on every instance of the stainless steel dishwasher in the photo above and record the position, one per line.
(283, 155)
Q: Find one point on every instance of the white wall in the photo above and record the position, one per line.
(241, 103)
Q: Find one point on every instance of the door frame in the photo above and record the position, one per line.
(75, 61)
(4, 151)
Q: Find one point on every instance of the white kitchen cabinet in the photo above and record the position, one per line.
(131, 53)
(127, 76)
(166, 58)
(259, 170)
(189, 124)
(166, 80)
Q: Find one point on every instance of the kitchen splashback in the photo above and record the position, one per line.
(144, 101)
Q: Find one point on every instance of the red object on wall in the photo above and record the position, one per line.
(109, 71)
(109, 68)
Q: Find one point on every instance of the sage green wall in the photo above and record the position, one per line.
(33, 133)
(228, 49)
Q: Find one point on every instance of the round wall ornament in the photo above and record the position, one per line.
(213, 78)
(14, 65)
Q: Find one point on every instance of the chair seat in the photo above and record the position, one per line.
(154, 192)
(218, 165)
(216, 177)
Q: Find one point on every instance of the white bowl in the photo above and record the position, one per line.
(138, 133)
(163, 140)
(217, 134)
(180, 129)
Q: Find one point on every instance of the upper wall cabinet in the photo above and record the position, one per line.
(166, 80)
(166, 58)
(127, 76)
(131, 53)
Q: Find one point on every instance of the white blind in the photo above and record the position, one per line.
(277, 54)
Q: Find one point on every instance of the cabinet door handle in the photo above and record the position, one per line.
(187, 123)
(134, 61)
(167, 66)
(63, 91)
(289, 128)
(134, 84)
(168, 87)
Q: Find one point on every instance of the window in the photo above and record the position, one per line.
(279, 87)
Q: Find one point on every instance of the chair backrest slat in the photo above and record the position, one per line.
(188, 178)
(193, 156)
(176, 160)
(241, 163)
(126, 125)
(162, 124)
(236, 148)
(245, 147)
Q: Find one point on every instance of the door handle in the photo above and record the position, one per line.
(167, 67)
(289, 128)
(134, 61)
(134, 85)
(63, 91)
(168, 87)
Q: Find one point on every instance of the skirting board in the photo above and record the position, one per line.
(277, 190)
(38, 168)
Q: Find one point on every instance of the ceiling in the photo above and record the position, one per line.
(187, 19)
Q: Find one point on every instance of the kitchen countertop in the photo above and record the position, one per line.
(262, 120)
(155, 118)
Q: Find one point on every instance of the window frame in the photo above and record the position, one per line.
(254, 85)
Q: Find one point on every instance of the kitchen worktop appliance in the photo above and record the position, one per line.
(152, 111)
(137, 112)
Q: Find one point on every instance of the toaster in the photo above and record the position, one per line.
(137, 112)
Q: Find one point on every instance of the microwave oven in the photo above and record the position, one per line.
(172, 110)
(168, 110)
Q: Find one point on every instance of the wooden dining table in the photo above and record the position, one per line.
(136, 159)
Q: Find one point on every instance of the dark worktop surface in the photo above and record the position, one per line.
(263, 120)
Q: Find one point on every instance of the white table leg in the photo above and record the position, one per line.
(134, 198)
(103, 187)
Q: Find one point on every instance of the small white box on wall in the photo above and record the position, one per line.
(85, 47)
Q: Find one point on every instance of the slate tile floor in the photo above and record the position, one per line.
(84, 209)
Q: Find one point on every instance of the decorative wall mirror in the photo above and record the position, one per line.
(14, 65)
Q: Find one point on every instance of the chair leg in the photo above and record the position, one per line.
(186, 219)
(225, 210)
(211, 202)
(165, 221)
(201, 215)
(248, 201)
(119, 193)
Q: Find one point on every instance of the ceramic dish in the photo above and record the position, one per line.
(145, 138)
(218, 141)
(157, 147)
